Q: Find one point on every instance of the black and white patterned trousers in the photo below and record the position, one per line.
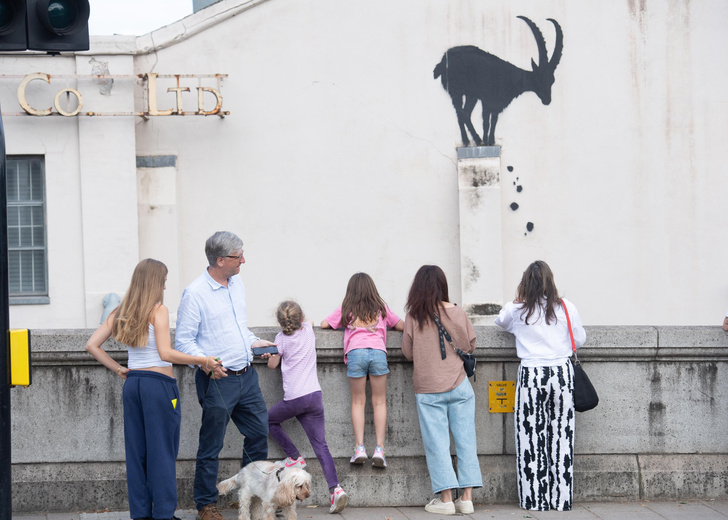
(544, 427)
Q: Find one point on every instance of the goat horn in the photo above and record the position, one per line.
(558, 47)
(543, 58)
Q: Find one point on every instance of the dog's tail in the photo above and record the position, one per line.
(226, 486)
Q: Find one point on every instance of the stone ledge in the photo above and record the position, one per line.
(617, 477)
(609, 344)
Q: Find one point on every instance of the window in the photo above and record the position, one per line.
(27, 255)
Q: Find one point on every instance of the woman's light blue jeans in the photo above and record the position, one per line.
(440, 414)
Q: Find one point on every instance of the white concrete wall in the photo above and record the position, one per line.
(339, 154)
(90, 186)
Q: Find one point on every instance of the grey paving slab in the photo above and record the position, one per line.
(373, 513)
(308, 512)
(578, 512)
(62, 516)
(721, 506)
(623, 511)
(419, 513)
(497, 512)
(685, 510)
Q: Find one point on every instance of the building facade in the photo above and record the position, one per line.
(320, 132)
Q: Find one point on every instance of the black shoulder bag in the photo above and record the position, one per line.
(469, 360)
(585, 396)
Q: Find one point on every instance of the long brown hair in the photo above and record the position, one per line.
(289, 316)
(428, 291)
(537, 283)
(146, 290)
(362, 301)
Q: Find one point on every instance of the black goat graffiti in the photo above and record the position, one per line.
(470, 74)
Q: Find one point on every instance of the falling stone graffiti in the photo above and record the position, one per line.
(514, 205)
(470, 74)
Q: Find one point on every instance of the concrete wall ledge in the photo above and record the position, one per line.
(658, 432)
(613, 477)
(604, 343)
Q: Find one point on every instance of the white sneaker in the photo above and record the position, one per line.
(464, 507)
(378, 459)
(288, 462)
(360, 455)
(338, 500)
(438, 506)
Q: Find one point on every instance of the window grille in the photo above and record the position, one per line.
(27, 252)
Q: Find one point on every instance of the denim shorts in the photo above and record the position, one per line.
(363, 361)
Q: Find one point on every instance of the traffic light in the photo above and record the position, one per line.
(44, 25)
(13, 35)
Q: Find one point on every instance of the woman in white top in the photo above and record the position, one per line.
(151, 397)
(544, 418)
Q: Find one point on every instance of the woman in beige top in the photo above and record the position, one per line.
(445, 399)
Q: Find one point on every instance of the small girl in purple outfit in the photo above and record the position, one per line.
(301, 396)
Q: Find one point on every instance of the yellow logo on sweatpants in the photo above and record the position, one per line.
(174, 403)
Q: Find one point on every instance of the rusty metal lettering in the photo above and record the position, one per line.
(152, 91)
(79, 98)
(24, 101)
(201, 101)
(179, 91)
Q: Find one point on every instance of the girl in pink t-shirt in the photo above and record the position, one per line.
(301, 397)
(365, 317)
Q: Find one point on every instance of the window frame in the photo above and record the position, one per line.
(29, 297)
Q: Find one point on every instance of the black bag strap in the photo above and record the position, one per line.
(445, 335)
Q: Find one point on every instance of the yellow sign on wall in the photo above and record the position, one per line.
(501, 396)
(19, 341)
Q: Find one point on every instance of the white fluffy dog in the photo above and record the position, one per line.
(276, 486)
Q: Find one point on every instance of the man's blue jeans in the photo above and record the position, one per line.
(237, 397)
(440, 414)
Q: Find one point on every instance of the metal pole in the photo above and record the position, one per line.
(6, 498)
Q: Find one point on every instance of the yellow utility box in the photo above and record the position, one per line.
(501, 396)
(20, 370)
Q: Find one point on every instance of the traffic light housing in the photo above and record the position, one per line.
(13, 33)
(44, 25)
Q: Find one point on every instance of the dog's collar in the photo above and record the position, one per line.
(278, 473)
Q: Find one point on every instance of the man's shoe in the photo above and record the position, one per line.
(442, 508)
(464, 507)
(209, 512)
(338, 500)
(294, 463)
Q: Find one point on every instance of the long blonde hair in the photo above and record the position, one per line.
(146, 291)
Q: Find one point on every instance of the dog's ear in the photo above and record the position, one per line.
(306, 486)
(226, 486)
(285, 494)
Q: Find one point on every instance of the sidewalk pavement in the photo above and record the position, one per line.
(644, 510)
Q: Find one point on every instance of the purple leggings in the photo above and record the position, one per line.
(309, 410)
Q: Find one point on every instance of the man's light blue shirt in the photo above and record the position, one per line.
(212, 320)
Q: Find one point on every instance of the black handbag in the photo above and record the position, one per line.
(585, 396)
(469, 361)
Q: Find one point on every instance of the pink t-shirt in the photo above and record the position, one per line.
(298, 362)
(361, 337)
